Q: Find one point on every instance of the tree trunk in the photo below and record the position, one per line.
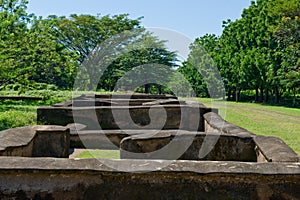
(90, 86)
(266, 95)
(276, 92)
(256, 94)
(159, 89)
(237, 95)
(147, 88)
(229, 94)
(261, 98)
(294, 98)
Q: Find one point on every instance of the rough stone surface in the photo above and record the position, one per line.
(17, 142)
(98, 139)
(22, 178)
(164, 102)
(35, 141)
(51, 142)
(214, 147)
(269, 149)
(214, 123)
(273, 149)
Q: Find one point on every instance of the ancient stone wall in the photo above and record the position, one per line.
(27, 178)
(220, 147)
(182, 117)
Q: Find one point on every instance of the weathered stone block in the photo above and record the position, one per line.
(194, 146)
(51, 141)
(214, 123)
(272, 149)
(17, 141)
(35, 141)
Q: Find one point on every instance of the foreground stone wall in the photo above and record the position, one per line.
(27, 178)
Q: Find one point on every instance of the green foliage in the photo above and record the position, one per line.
(13, 30)
(83, 33)
(200, 69)
(50, 62)
(146, 61)
(29, 54)
(259, 51)
(193, 76)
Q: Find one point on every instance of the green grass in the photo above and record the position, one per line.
(264, 120)
(23, 113)
(16, 114)
(108, 154)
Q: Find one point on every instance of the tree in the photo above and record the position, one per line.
(83, 33)
(148, 58)
(50, 62)
(13, 31)
(192, 75)
(287, 37)
(29, 53)
(200, 68)
(246, 52)
(86, 34)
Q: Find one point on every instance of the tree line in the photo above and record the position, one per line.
(38, 52)
(258, 53)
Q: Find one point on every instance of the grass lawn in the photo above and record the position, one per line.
(16, 114)
(108, 154)
(23, 113)
(264, 120)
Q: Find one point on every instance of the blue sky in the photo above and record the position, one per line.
(192, 18)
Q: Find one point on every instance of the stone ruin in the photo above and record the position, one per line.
(218, 160)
